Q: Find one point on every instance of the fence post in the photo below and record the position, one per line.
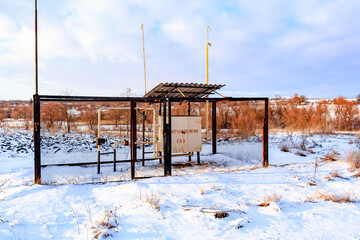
(143, 138)
(133, 137)
(189, 113)
(98, 159)
(167, 139)
(160, 159)
(115, 158)
(266, 135)
(213, 127)
(37, 154)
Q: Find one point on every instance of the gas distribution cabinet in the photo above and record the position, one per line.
(185, 134)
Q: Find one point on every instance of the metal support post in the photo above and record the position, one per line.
(133, 137)
(266, 135)
(198, 158)
(160, 159)
(213, 127)
(143, 139)
(98, 159)
(37, 155)
(167, 139)
(115, 159)
(189, 113)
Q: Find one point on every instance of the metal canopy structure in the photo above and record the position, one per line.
(165, 107)
(181, 90)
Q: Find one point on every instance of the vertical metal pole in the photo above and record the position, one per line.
(214, 127)
(207, 78)
(144, 116)
(189, 109)
(142, 28)
(115, 159)
(189, 113)
(160, 159)
(168, 159)
(198, 158)
(37, 154)
(266, 135)
(36, 52)
(133, 137)
(143, 138)
(98, 138)
(98, 159)
(165, 139)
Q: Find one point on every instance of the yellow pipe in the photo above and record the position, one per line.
(181, 92)
(142, 28)
(207, 77)
(207, 54)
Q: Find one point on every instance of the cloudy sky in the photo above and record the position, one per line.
(259, 47)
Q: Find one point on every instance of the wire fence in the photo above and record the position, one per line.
(69, 152)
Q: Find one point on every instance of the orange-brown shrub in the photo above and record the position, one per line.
(50, 116)
(24, 112)
(346, 114)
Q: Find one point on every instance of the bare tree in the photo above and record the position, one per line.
(25, 113)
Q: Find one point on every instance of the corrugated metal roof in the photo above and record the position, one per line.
(176, 90)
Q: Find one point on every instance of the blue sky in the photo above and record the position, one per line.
(259, 48)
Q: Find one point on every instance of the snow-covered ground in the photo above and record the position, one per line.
(282, 201)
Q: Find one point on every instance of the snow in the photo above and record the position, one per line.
(183, 206)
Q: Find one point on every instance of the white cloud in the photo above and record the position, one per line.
(183, 32)
(254, 43)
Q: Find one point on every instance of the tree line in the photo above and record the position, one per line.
(233, 118)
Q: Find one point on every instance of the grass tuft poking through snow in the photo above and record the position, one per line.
(301, 154)
(273, 198)
(108, 222)
(335, 174)
(331, 156)
(329, 197)
(357, 174)
(3, 185)
(353, 158)
(284, 148)
(221, 214)
(153, 200)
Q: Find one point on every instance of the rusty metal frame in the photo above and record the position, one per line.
(165, 107)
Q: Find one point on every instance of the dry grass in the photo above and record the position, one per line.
(221, 214)
(357, 174)
(284, 148)
(301, 154)
(4, 184)
(353, 158)
(313, 183)
(310, 151)
(331, 156)
(328, 178)
(247, 204)
(269, 199)
(182, 165)
(213, 187)
(335, 174)
(329, 197)
(109, 221)
(153, 200)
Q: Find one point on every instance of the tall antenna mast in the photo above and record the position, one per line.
(207, 54)
(207, 77)
(142, 28)
(36, 52)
